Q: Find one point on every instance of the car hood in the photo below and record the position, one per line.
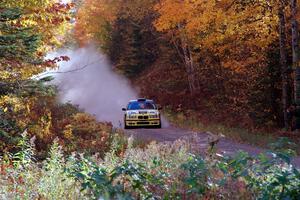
(143, 112)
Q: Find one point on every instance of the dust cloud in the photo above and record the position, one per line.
(88, 81)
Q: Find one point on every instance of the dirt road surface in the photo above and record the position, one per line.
(170, 134)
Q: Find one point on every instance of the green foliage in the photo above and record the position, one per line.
(197, 178)
(137, 176)
(150, 173)
(55, 182)
(24, 157)
(92, 178)
(16, 43)
(27, 179)
(270, 176)
(284, 148)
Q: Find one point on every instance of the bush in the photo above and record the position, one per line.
(159, 171)
(23, 178)
(35, 109)
(82, 132)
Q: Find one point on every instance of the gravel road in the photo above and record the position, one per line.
(170, 134)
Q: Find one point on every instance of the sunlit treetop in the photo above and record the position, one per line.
(49, 18)
(221, 26)
(95, 18)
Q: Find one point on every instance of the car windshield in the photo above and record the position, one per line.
(140, 106)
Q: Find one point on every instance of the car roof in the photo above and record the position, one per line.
(142, 100)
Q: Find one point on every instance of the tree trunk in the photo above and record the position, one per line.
(189, 65)
(283, 63)
(295, 47)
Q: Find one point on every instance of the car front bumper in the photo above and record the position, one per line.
(140, 123)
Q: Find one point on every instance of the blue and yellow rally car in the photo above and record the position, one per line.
(142, 113)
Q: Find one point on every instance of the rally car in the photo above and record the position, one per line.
(142, 113)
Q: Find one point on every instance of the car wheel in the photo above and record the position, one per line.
(126, 127)
(159, 126)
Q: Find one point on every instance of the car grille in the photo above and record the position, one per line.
(143, 123)
(143, 117)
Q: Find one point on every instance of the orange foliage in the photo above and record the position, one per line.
(93, 17)
(96, 18)
(82, 131)
(226, 51)
(228, 29)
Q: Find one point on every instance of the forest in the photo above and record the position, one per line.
(229, 62)
(237, 54)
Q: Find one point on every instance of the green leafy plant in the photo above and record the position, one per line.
(25, 156)
(198, 175)
(268, 176)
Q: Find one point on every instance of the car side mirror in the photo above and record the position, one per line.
(124, 109)
(159, 107)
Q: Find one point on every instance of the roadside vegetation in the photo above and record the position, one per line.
(158, 171)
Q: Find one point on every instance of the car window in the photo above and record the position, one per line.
(140, 106)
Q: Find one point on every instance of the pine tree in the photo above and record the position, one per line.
(17, 43)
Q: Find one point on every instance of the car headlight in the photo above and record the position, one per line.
(131, 116)
(154, 116)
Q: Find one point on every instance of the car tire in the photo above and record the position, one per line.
(127, 127)
(159, 126)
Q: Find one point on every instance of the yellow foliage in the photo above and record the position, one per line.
(87, 124)
(95, 18)
(14, 103)
(47, 19)
(68, 132)
(85, 132)
(92, 18)
(223, 27)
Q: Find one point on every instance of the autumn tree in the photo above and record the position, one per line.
(170, 20)
(49, 18)
(122, 30)
(18, 45)
(94, 22)
(28, 29)
(229, 29)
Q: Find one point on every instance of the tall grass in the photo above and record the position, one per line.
(158, 171)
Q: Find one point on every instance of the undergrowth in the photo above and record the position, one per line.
(158, 171)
